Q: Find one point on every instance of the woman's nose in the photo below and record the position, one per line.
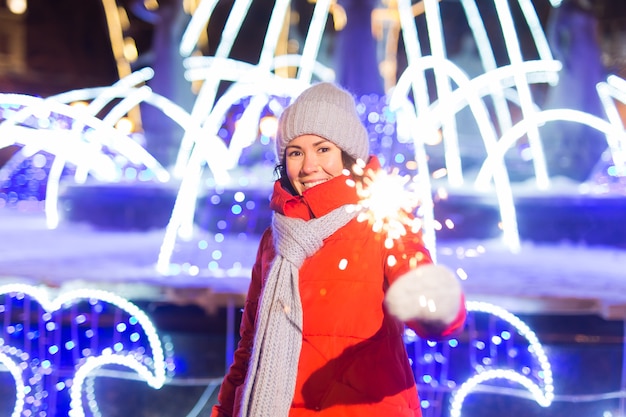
(310, 163)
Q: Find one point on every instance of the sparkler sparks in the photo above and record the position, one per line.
(387, 201)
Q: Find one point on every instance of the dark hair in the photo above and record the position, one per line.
(280, 171)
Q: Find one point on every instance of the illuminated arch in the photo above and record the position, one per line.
(543, 395)
(540, 118)
(80, 145)
(151, 369)
(16, 372)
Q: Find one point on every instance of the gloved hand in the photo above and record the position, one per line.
(430, 295)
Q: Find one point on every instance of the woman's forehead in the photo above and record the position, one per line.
(308, 139)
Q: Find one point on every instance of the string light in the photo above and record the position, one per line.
(542, 395)
(146, 359)
(20, 389)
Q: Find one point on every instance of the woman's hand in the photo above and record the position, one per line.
(430, 295)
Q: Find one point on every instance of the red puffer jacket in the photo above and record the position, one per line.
(353, 361)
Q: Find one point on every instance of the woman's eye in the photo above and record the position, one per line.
(324, 149)
(294, 153)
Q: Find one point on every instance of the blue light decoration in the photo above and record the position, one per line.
(500, 353)
(53, 348)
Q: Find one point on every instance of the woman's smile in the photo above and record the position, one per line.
(312, 160)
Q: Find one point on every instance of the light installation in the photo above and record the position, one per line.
(44, 338)
(76, 137)
(500, 346)
(404, 119)
(543, 393)
(504, 85)
(36, 349)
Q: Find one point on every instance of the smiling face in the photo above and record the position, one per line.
(311, 160)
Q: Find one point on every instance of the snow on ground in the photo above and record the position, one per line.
(559, 278)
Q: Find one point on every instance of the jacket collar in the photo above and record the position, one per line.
(319, 200)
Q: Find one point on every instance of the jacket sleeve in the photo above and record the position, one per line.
(233, 381)
(428, 298)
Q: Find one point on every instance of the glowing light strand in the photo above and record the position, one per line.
(63, 145)
(16, 373)
(514, 52)
(523, 126)
(206, 96)
(488, 61)
(614, 89)
(181, 220)
(543, 396)
(442, 82)
(154, 374)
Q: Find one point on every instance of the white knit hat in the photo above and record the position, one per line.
(327, 111)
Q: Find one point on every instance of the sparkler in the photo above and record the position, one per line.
(387, 201)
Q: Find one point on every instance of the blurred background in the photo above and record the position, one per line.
(126, 192)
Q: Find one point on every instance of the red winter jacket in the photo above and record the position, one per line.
(353, 361)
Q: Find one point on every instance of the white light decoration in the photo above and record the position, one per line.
(502, 84)
(16, 372)
(614, 89)
(150, 366)
(468, 93)
(415, 74)
(79, 143)
(257, 82)
(521, 128)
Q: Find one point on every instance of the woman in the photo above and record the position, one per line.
(321, 332)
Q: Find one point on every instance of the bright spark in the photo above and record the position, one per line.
(387, 202)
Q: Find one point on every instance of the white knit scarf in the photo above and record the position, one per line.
(271, 378)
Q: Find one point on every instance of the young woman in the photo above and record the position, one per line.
(321, 332)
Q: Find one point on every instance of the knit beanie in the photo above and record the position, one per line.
(327, 111)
